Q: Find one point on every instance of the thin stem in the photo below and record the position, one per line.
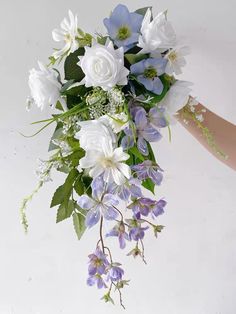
(101, 237)
(121, 301)
(122, 217)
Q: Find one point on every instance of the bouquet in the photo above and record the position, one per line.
(116, 94)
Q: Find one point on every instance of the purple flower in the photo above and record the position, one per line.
(158, 209)
(157, 117)
(129, 189)
(145, 132)
(96, 279)
(97, 263)
(101, 203)
(148, 72)
(123, 27)
(148, 169)
(115, 273)
(137, 233)
(119, 231)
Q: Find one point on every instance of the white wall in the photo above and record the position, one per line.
(191, 267)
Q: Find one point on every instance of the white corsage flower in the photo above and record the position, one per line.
(156, 34)
(176, 60)
(67, 34)
(44, 86)
(93, 133)
(176, 98)
(108, 162)
(103, 66)
(117, 121)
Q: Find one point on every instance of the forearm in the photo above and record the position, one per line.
(222, 131)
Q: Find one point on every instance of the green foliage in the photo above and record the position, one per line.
(143, 11)
(65, 210)
(62, 197)
(149, 185)
(79, 224)
(57, 133)
(102, 39)
(79, 186)
(134, 58)
(71, 68)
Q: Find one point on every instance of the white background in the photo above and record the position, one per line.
(191, 267)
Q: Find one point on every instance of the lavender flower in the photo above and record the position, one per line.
(143, 206)
(137, 233)
(148, 72)
(157, 117)
(148, 169)
(123, 27)
(129, 189)
(115, 272)
(158, 209)
(145, 132)
(101, 203)
(97, 263)
(96, 279)
(119, 231)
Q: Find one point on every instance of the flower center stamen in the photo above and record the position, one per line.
(150, 73)
(172, 56)
(123, 33)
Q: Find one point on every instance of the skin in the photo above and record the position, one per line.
(224, 134)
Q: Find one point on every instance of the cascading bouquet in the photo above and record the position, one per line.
(116, 93)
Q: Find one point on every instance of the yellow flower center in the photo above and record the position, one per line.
(123, 33)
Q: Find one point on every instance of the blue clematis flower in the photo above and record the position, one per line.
(123, 27)
(148, 72)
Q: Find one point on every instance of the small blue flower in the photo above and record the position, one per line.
(119, 231)
(96, 279)
(97, 263)
(123, 27)
(148, 72)
(148, 169)
(115, 272)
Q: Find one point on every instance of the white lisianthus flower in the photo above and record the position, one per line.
(117, 121)
(44, 86)
(176, 60)
(93, 133)
(103, 66)
(67, 34)
(175, 99)
(108, 162)
(156, 34)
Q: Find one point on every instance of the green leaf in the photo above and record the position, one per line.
(149, 185)
(57, 133)
(102, 39)
(65, 211)
(151, 155)
(76, 91)
(134, 58)
(134, 150)
(79, 224)
(64, 191)
(72, 69)
(157, 98)
(143, 11)
(79, 186)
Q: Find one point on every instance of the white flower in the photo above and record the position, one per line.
(175, 99)
(117, 121)
(108, 162)
(44, 86)
(176, 60)
(156, 34)
(103, 66)
(67, 34)
(93, 133)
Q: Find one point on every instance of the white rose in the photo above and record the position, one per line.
(103, 66)
(156, 34)
(44, 86)
(93, 133)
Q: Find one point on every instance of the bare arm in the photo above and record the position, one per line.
(224, 133)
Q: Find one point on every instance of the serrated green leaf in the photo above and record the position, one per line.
(64, 191)
(79, 224)
(65, 211)
(134, 150)
(79, 186)
(71, 67)
(149, 185)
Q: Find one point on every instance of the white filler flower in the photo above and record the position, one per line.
(67, 34)
(176, 60)
(103, 66)
(156, 34)
(108, 162)
(44, 86)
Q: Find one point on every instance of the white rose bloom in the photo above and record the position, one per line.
(108, 162)
(175, 99)
(103, 66)
(93, 133)
(156, 34)
(44, 86)
(176, 60)
(67, 34)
